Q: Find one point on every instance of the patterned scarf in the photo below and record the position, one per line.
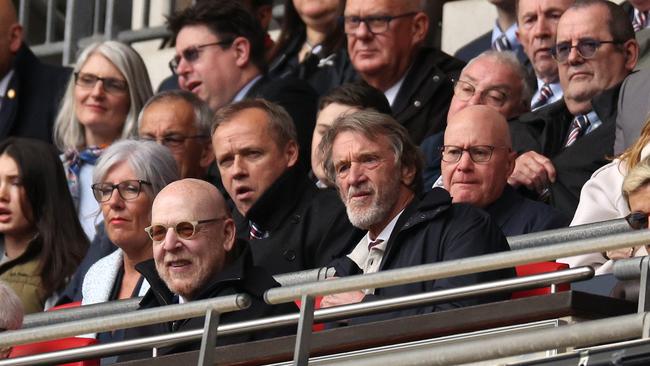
(73, 160)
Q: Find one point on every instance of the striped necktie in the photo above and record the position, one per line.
(578, 127)
(545, 93)
(256, 232)
(640, 19)
(502, 43)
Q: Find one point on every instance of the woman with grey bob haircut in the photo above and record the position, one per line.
(127, 178)
(104, 96)
(149, 161)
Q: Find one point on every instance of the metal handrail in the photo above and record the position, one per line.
(528, 341)
(102, 350)
(126, 305)
(81, 312)
(191, 309)
(482, 263)
(586, 231)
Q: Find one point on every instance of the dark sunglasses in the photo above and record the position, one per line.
(637, 220)
(192, 53)
(184, 229)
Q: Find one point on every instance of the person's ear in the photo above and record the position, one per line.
(242, 48)
(228, 234)
(15, 37)
(420, 28)
(291, 153)
(207, 155)
(408, 175)
(631, 53)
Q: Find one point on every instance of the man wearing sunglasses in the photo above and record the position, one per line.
(29, 90)
(477, 159)
(561, 145)
(386, 47)
(196, 256)
(220, 58)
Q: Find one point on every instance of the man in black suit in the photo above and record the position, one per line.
(220, 58)
(503, 37)
(292, 225)
(386, 46)
(378, 173)
(477, 159)
(562, 144)
(29, 90)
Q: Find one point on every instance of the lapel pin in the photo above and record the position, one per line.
(11, 94)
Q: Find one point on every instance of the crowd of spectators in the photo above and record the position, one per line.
(350, 142)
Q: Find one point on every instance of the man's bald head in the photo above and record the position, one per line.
(11, 34)
(477, 157)
(198, 234)
(199, 195)
(485, 120)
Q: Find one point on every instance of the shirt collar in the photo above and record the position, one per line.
(242, 93)
(511, 34)
(4, 83)
(391, 93)
(384, 235)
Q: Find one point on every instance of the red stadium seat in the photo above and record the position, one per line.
(536, 268)
(55, 345)
(66, 306)
(317, 327)
(58, 344)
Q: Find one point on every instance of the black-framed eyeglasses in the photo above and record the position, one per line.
(192, 53)
(586, 48)
(110, 85)
(172, 141)
(375, 24)
(493, 97)
(478, 153)
(128, 190)
(637, 220)
(183, 229)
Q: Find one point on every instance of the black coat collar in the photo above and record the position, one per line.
(280, 199)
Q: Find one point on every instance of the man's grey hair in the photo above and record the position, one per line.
(68, 131)
(510, 60)
(149, 161)
(372, 125)
(202, 113)
(280, 122)
(11, 308)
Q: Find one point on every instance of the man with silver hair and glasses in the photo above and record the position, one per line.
(386, 44)
(11, 313)
(495, 79)
(181, 121)
(377, 171)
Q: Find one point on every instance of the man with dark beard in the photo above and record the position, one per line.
(377, 170)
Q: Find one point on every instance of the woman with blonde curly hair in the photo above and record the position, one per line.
(602, 198)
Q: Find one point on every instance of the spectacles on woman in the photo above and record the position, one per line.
(110, 85)
(128, 190)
